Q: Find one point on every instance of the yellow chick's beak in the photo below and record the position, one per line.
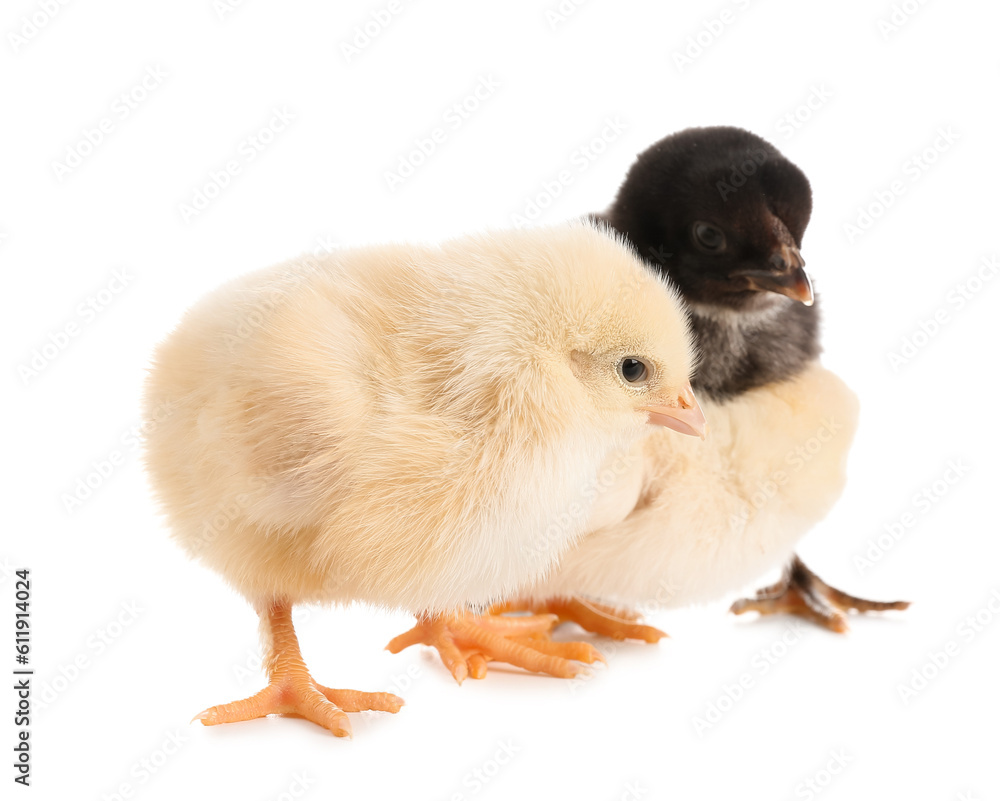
(686, 417)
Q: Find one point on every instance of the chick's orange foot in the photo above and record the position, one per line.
(466, 643)
(607, 621)
(292, 691)
(801, 592)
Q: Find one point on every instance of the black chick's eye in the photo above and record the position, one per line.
(634, 371)
(708, 237)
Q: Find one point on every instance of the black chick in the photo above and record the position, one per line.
(722, 213)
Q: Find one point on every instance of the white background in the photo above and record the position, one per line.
(116, 688)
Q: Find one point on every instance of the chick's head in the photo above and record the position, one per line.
(722, 212)
(612, 333)
(635, 361)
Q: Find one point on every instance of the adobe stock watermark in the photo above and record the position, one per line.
(921, 503)
(100, 470)
(122, 107)
(248, 150)
(300, 783)
(223, 8)
(95, 646)
(741, 172)
(609, 651)
(453, 118)
(580, 159)
(368, 31)
(733, 692)
(6, 569)
(253, 664)
(32, 24)
(480, 777)
(631, 791)
(939, 660)
(272, 295)
(914, 168)
(142, 770)
(575, 516)
(898, 16)
(814, 785)
(558, 14)
(87, 311)
(708, 33)
(791, 122)
(662, 599)
(796, 459)
(400, 683)
(227, 512)
(955, 300)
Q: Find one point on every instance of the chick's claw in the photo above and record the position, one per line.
(801, 592)
(466, 643)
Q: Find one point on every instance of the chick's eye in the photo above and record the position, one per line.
(709, 237)
(633, 370)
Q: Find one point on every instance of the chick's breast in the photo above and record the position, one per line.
(715, 515)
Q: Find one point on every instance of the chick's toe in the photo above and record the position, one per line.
(597, 618)
(801, 592)
(466, 643)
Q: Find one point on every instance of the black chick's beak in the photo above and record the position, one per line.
(787, 276)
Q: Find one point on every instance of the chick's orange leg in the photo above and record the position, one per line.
(607, 621)
(466, 643)
(801, 592)
(292, 691)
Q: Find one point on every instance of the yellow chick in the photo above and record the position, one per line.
(679, 522)
(394, 425)
(704, 521)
